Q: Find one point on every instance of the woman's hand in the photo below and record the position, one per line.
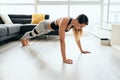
(85, 52)
(68, 61)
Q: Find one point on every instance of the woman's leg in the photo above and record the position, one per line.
(41, 28)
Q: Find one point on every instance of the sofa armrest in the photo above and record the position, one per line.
(47, 16)
(1, 21)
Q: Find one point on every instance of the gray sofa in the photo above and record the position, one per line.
(22, 24)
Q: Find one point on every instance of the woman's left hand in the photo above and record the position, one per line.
(85, 52)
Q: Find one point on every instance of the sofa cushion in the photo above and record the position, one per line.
(13, 28)
(36, 18)
(3, 30)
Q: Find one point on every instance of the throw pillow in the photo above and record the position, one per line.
(36, 18)
(6, 19)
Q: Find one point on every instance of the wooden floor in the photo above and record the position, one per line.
(42, 61)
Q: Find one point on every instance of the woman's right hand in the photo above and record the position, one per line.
(68, 61)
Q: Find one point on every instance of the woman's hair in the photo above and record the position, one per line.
(81, 19)
(77, 34)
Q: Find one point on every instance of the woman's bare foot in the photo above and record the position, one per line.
(68, 61)
(27, 42)
(24, 42)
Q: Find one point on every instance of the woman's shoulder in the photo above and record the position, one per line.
(63, 18)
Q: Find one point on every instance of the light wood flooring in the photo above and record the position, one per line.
(41, 60)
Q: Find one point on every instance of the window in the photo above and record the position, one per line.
(16, 1)
(53, 0)
(17, 9)
(111, 13)
(114, 11)
(55, 11)
(84, 0)
(114, 0)
(17, 6)
(69, 0)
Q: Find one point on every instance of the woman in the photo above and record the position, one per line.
(62, 25)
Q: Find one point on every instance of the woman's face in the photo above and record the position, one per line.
(79, 26)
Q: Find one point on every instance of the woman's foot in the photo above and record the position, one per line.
(68, 61)
(24, 42)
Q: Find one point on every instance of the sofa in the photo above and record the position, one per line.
(21, 24)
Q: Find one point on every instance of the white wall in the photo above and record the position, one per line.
(115, 36)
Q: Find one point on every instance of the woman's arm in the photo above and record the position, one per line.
(80, 47)
(62, 43)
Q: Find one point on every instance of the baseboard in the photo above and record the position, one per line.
(116, 46)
